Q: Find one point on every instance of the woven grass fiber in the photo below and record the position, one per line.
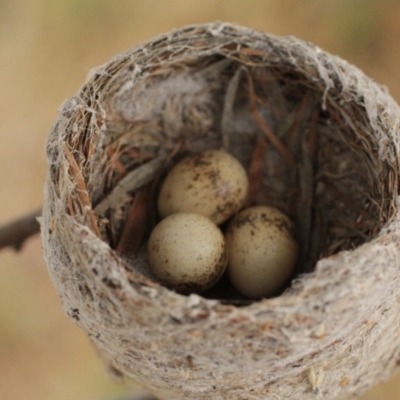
(320, 141)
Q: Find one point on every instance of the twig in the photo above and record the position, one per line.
(317, 241)
(255, 172)
(142, 396)
(301, 116)
(81, 190)
(265, 128)
(309, 145)
(229, 101)
(16, 232)
(136, 224)
(305, 204)
(132, 181)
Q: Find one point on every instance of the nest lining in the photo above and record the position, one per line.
(316, 138)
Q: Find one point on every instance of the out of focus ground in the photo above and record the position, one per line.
(46, 49)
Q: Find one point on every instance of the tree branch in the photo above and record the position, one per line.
(143, 396)
(16, 232)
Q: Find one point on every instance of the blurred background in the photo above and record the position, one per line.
(47, 47)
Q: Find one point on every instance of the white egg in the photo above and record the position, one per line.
(262, 251)
(212, 183)
(187, 252)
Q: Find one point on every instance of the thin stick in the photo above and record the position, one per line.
(255, 172)
(132, 181)
(305, 204)
(15, 233)
(81, 190)
(298, 120)
(269, 134)
(136, 223)
(229, 102)
(317, 240)
(143, 396)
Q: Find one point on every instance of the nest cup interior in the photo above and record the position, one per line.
(307, 152)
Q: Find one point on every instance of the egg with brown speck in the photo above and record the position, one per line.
(211, 183)
(187, 252)
(262, 251)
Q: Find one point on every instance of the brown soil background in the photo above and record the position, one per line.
(46, 49)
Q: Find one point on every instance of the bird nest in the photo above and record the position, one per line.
(319, 141)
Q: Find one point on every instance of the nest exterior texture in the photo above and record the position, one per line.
(334, 332)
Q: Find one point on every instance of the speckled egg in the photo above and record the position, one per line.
(262, 251)
(212, 183)
(187, 252)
